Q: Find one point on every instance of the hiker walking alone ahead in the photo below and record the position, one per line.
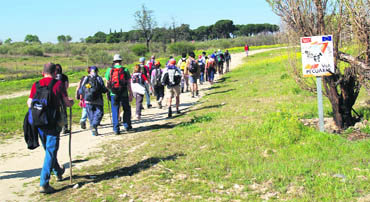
(46, 118)
(246, 49)
(171, 78)
(157, 83)
(92, 88)
(138, 81)
(119, 85)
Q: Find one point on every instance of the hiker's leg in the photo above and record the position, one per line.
(90, 114)
(83, 115)
(115, 113)
(127, 111)
(187, 82)
(50, 143)
(98, 115)
(139, 103)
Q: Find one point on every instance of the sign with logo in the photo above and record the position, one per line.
(317, 55)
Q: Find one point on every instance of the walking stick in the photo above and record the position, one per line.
(70, 140)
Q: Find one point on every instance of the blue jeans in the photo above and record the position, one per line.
(95, 114)
(50, 142)
(83, 115)
(201, 77)
(124, 102)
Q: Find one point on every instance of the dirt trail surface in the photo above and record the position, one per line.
(24, 93)
(20, 168)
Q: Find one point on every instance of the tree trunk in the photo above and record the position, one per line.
(342, 102)
(147, 45)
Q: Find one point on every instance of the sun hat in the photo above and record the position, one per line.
(117, 57)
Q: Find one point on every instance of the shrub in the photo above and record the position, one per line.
(33, 50)
(100, 57)
(139, 49)
(4, 49)
(181, 47)
(127, 56)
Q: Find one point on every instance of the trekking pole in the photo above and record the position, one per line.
(70, 141)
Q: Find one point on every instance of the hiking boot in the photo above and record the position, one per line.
(83, 125)
(149, 106)
(197, 93)
(47, 189)
(66, 131)
(192, 94)
(138, 117)
(169, 112)
(60, 174)
(160, 105)
(178, 111)
(117, 132)
(129, 129)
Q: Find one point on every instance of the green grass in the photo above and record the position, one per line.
(243, 141)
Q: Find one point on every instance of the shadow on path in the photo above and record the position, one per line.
(125, 171)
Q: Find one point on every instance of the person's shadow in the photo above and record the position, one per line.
(125, 171)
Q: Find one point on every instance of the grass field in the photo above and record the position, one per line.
(243, 141)
(21, 72)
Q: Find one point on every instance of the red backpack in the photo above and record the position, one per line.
(117, 81)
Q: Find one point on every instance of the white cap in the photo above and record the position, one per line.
(117, 57)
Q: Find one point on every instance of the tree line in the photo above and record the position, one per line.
(220, 30)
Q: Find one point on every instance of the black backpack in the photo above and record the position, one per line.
(193, 67)
(137, 78)
(43, 110)
(92, 88)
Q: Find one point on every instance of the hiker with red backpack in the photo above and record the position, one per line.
(119, 85)
(157, 84)
(146, 69)
(44, 104)
(91, 90)
(138, 81)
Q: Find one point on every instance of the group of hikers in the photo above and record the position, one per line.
(48, 100)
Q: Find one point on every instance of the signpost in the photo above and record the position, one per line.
(318, 61)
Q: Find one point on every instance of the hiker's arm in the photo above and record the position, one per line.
(29, 102)
(130, 94)
(68, 102)
(66, 84)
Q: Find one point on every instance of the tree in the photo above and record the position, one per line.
(8, 41)
(61, 39)
(68, 38)
(146, 23)
(321, 17)
(224, 28)
(32, 39)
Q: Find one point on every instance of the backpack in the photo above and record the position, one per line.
(201, 65)
(220, 58)
(183, 64)
(43, 113)
(193, 67)
(92, 88)
(157, 77)
(172, 77)
(137, 78)
(117, 81)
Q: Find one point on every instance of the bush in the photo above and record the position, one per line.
(181, 47)
(33, 50)
(127, 56)
(4, 49)
(100, 57)
(139, 49)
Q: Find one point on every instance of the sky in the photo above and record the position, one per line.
(82, 18)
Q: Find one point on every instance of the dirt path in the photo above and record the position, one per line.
(24, 93)
(20, 167)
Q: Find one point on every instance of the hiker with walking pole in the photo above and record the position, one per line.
(44, 104)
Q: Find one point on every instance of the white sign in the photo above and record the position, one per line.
(317, 55)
